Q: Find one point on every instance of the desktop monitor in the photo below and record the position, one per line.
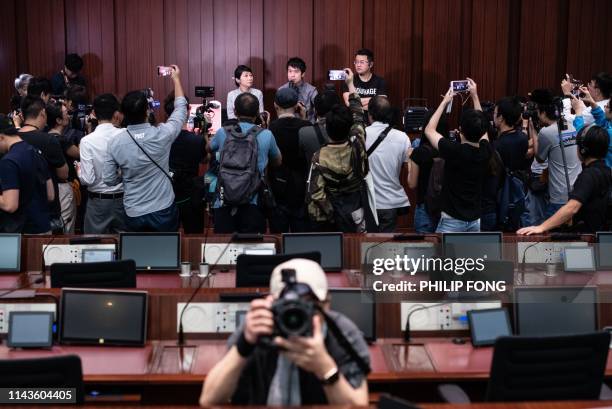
(359, 306)
(473, 245)
(151, 251)
(328, 244)
(108, 274)
(10, 252)
(30, 329)
(255, 271)
(549, 311)
(604, 250)
(487, 325)
(103, 317)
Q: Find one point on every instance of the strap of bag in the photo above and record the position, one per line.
(377, 142)
(150, 158)
(319, 133)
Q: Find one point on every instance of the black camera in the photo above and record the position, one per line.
(531, 111)
(292, 312)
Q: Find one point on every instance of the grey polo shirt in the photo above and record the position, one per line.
(146, 188)
(306, 95)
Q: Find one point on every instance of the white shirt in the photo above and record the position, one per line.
(93, 150)
(586, 114)
(386, 164)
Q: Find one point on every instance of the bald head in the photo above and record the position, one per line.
(380, 109)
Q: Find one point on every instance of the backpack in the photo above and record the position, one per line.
(433, 193)
(511, 202)
(239, 178)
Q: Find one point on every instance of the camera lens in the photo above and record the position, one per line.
(293, 320)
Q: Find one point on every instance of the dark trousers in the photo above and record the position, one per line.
(165, 220)
(285, 219)
(387, 220)
(239, 219)
(191, 216)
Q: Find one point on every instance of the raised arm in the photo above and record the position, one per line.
(430, 131)
(473, 88)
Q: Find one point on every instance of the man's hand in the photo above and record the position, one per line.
(176, 72)
(259, 320)
(301, 110)
(472, 87)
(566, 85)
(528, 231)
(588, 98)
(349, 76)
(309, 353)
(17, 119)
(577, 105)
(448, 97)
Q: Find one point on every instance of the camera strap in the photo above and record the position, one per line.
(150, 158)
(333, 327)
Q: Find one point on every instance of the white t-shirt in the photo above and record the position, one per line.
(386, 164)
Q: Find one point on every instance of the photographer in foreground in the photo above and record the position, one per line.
(264, 368)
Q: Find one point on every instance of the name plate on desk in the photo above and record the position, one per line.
(211, 317)
(213, 252)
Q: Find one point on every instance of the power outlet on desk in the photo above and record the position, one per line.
(452, 316)
(545, 252)
(211, 251)
(5, 309)
(210, 317)
(70, 253)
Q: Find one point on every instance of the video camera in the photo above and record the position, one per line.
(293, 311)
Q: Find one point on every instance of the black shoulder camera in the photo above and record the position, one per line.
(293, 310)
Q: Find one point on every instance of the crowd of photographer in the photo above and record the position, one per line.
(527, 165)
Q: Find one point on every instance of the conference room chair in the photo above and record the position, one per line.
(543, 368)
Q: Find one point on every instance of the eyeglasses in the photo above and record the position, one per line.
(361, 62)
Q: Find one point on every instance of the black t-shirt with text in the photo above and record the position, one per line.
(592, 189)
(375, 86)
(464, 168)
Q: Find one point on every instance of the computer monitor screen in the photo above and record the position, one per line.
(328, 244)
(358, 306)
(487, 325)
(10, 252)
(152, 251)
(604, 250)
(97, 255)
(578, 259)
(473, 245)
(30, 329)
(540, 311)
(103, 317)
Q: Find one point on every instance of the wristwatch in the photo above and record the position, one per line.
(331, 377)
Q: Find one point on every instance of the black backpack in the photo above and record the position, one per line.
(239, 178)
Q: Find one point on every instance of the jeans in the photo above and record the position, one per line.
(551, 209)
(536, 205)
(165, 220)
(422, 221)
(449, 224)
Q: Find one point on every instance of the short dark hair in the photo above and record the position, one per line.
(169, 103)
(338, 122)
(603, 80)
(238, 72)
(510, 109)
(73, 62)
(367, 52)
(246, 105)
(380, 109)
(595, 139)
(54, 112)
(297, 62)
(474, 124)
(39, 85)
(545, 101)
(324, 102)
(31, 106)
(105, 106)
(134, 107)
(77, 94)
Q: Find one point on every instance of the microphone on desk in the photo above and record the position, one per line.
(425, 307)
(181, 332)
(22, 287)
(396, 237)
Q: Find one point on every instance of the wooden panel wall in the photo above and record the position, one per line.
(507, 46)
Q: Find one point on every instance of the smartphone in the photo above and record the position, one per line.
(337, 75)
(164, 71)
(459, 86)
(452, 136)
(205, 92)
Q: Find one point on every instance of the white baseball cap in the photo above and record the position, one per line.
(306, 272)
